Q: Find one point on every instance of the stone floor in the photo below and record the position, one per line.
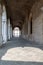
(19, 51)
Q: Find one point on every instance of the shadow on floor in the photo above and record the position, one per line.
(20, 42)
(19, 63)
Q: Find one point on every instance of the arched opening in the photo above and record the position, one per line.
(16, 32)
(4, 25)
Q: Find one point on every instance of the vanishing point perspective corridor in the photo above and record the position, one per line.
(19, 51)
(21, 32)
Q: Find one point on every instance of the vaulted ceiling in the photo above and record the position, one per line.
(17, 10)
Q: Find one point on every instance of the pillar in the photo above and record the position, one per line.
(0, 25)
(4, 25)
(8, 29)
(11, 33)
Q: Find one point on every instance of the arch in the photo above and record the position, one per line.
(16, 32)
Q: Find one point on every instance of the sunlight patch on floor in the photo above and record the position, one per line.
(24, 54)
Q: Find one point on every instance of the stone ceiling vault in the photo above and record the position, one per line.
(17, 10)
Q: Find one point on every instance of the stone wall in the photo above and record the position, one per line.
(37, 29)
(37, 22)
(25, 29)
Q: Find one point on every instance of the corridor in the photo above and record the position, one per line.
(19, 51)
(21, 32)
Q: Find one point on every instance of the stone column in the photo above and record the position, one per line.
(8, 29)
(11, 31)
(4, 31)
(0, 25)
(4, 25)
(23, 31)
